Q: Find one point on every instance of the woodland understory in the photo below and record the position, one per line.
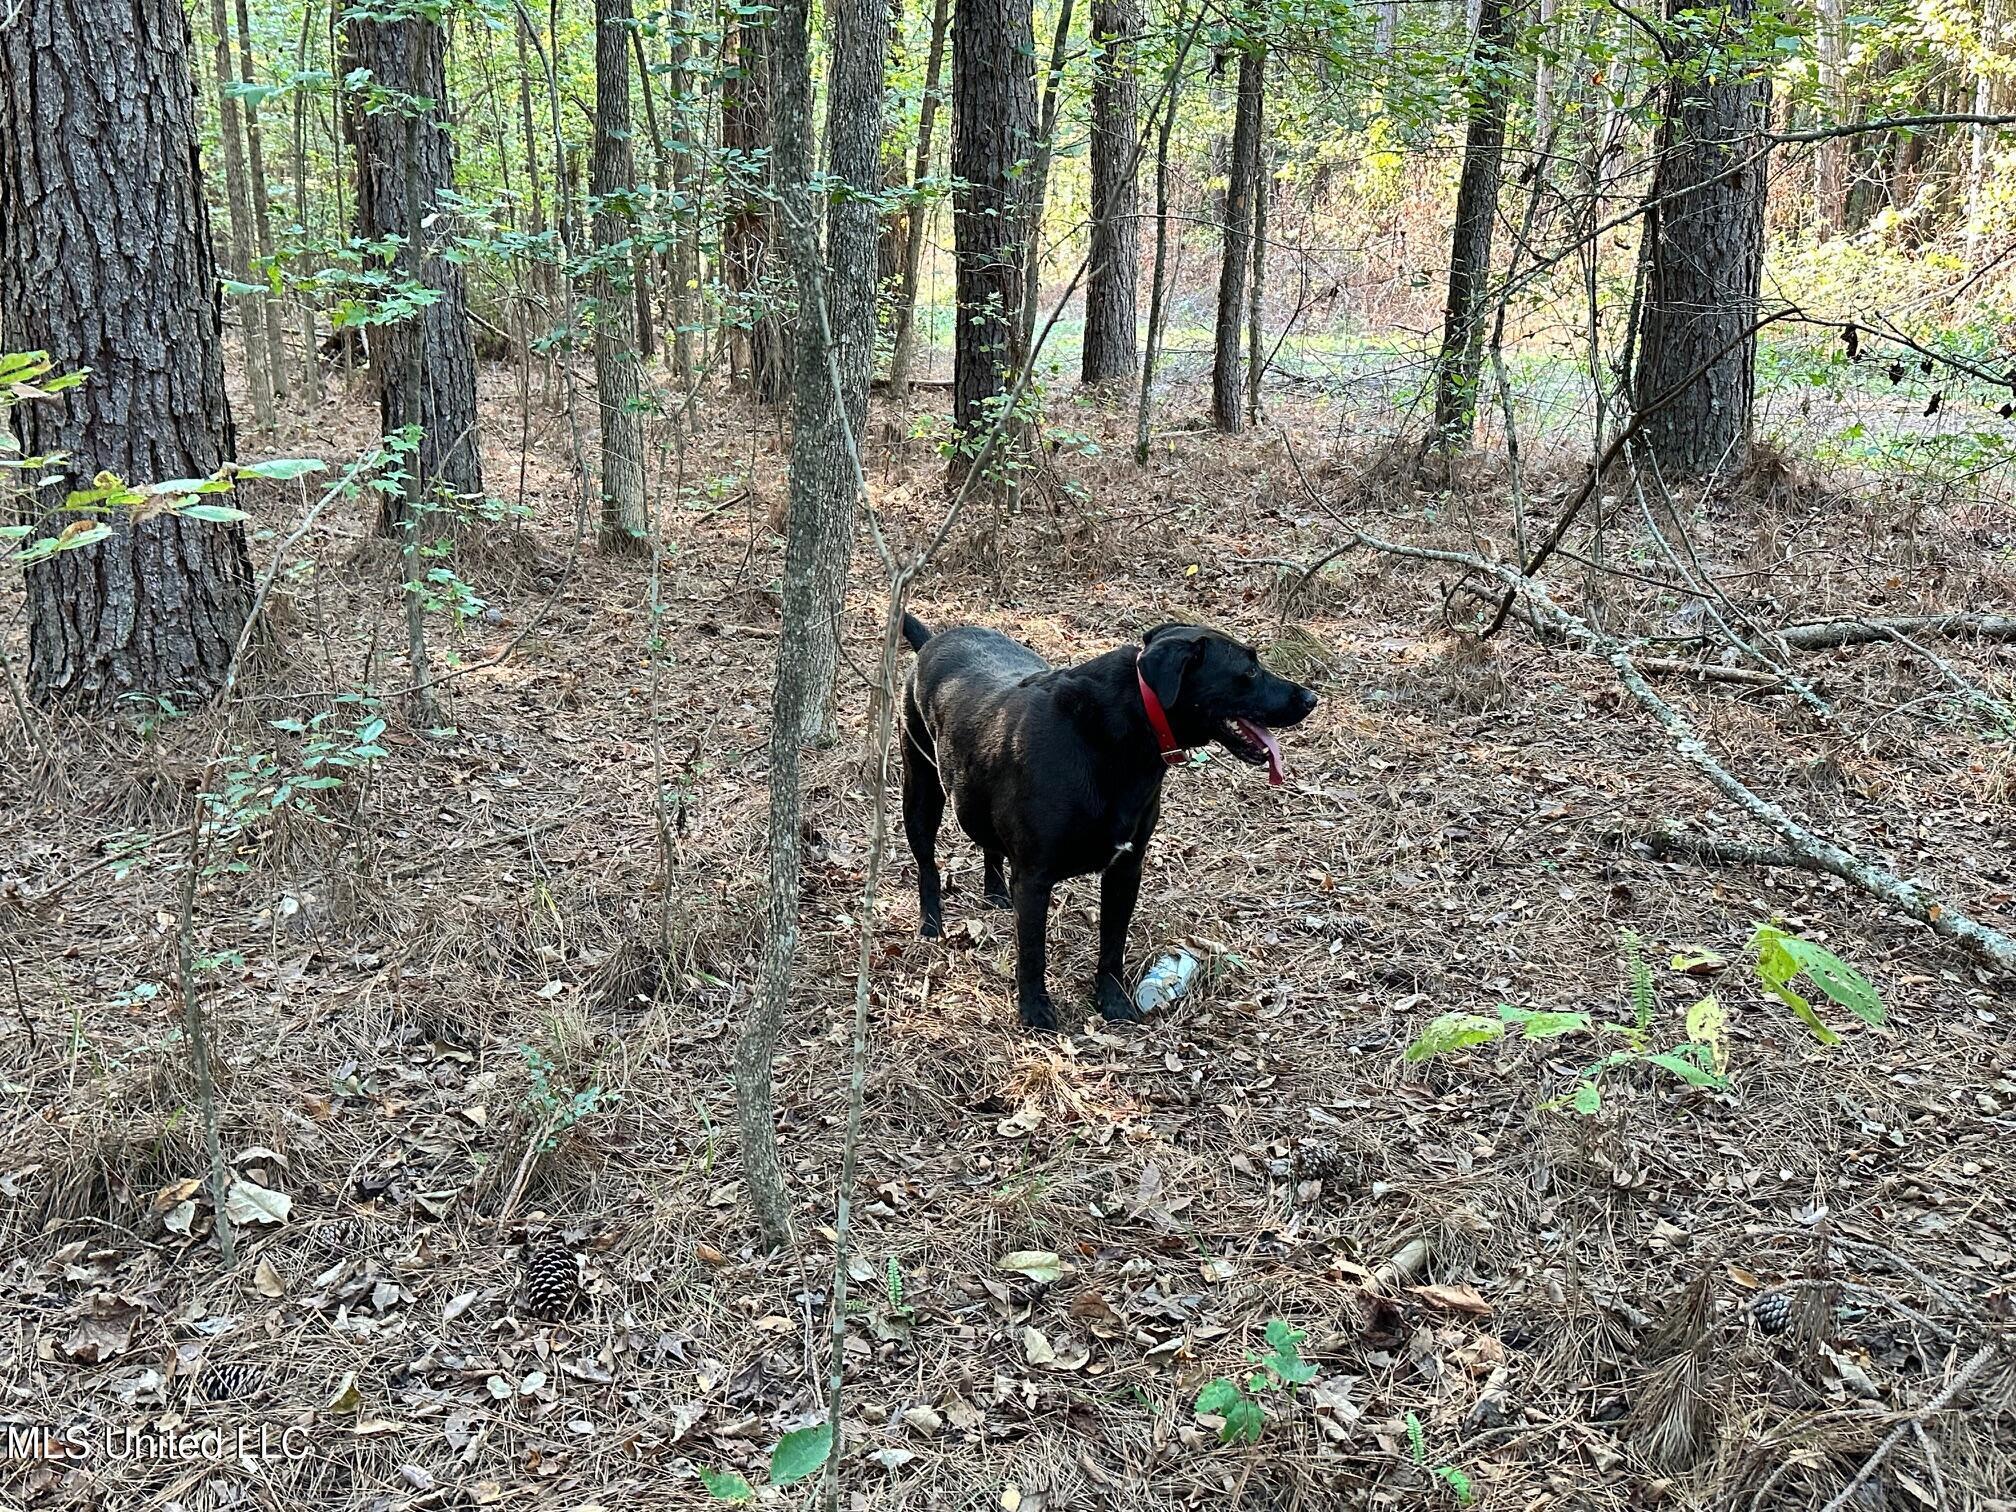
(418, 980)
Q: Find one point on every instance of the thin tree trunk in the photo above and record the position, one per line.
(993, 127)
(311, 355)
(1461, 362)
(262, 210)
(240, 243)
(903, 352)
(408, 56)
(1114, 272)
(1831, 158)
(1158, 282)
(822, 499)
(747, 132)
(1256, 333)
(106, 263)
(858, 32)
(1038, 191)
(1227, 411)
(625, 526)
(1704, 253)
(686, 247)
(641, 268)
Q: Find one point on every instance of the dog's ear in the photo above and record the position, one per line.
(1169, 654)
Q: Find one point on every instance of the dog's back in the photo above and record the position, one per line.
(965, 669)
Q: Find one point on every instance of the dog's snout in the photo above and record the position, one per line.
(1305, 701)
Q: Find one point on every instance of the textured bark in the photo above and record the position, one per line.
(1227, 398)
(408, 57)
(1461, 362)
(913, 237)
(1114, 272)
(993, 134)
(625, 526)
(105, 263)
(823, 490)
(238, 201)
(1704, 254)
(747, 133)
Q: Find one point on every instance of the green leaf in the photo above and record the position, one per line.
(1245, 1421)
(1453, 1031)
(1219, 1397)
(798, 1454)
(1685, 1069)
(1417, 1439)
(726, 1485)
(1457, 1482)
(283, 469)
(1841, 982)
(1538, 1024)
(215, 514)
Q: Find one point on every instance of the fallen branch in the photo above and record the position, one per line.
(1666, 844)
(1657, 666)
(1824, 635)
(1851, 1492)
(1817, 854)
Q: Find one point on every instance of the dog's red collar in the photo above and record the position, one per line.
(1158, 720)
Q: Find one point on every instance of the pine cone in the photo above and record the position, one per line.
(552, 1282)
(1772, 1312)
(232, 1383)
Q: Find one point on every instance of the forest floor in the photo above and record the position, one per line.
(455, 963)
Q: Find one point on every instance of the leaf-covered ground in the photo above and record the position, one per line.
(479, 947)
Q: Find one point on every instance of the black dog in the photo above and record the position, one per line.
(1059, 771)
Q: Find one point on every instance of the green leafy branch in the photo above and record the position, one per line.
(1282, 1368)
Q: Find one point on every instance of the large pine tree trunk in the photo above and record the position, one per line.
(1114, 273)
(993, 135)
(393, 155)
(1461, 361)
(105, 263)
(1227, 388)
(747, 133)
(1704, 255)
(612, 174)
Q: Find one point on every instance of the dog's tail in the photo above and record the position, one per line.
(915, 632)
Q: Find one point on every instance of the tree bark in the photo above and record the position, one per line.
(823, 493)
(904, 349)
(1114, 272)
(1704, 249)
(747, 133)
(1461, 362)
(612, 175)
(1227, 398)
(407, 58)
(105, 263)
(993, 132)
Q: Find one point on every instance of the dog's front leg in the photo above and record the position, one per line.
(1032, 922)
(1119, 887)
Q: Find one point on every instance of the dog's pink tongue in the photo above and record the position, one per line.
(1266, 737)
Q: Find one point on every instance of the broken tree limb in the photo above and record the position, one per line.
(1659, 666)
(1667, 844)
(1823, 635)
(1818, 854)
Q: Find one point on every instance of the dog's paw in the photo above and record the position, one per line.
(1039, 1014)
(930, 929)
(1115, 1006)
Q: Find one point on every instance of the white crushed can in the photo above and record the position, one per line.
(1164, 982)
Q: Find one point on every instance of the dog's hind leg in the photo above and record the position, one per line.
(923, 808)
(995, 888)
